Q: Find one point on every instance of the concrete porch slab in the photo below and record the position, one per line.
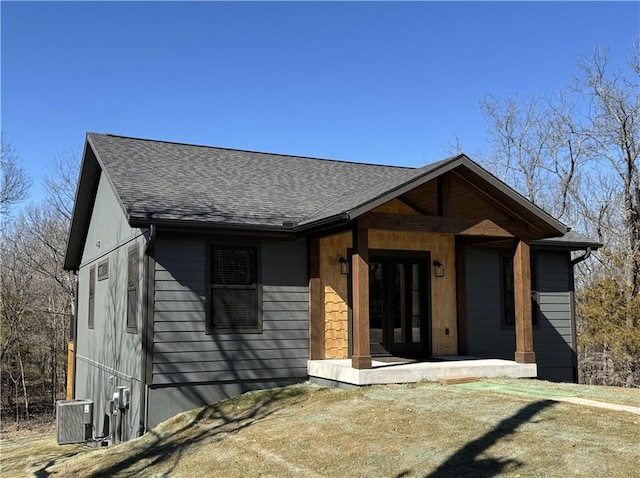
(407, 371)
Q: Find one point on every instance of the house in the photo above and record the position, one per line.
(205, 272)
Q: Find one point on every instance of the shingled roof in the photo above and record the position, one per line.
(160, 182)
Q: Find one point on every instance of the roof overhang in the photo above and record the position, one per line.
(571, 241)
(82, 207)
(338, 214)
(204, 226)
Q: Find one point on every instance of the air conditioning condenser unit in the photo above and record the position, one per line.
(74, 421)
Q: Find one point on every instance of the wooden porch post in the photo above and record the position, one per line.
(70, 369)
(522, 292)
(361, 357)
(461, 298)
(316, 322)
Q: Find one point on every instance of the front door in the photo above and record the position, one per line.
(399, 304)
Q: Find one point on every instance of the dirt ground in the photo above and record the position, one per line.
(424, 430)
(35, 427)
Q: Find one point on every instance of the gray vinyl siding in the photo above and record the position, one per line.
(107, 356)
(486, 338)
(185, 356)
(552, 339)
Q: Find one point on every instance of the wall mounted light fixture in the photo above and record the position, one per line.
(344, 265)
(438, 268)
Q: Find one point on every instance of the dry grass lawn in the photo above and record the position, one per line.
(419, 430)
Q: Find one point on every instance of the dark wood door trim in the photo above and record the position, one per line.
(395, 257)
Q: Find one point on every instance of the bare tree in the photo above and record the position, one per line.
(575, 154)
(613, 131)
(518, 140)
(37, 295)
(15, 319)
(532, 149)
(61, 182)
(14, 182)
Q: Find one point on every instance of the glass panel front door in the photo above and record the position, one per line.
(398, 304)
(376, 308)
(406, 314)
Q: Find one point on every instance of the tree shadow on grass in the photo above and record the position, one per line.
(40, 470)
(466, 461)
(211, 423)
(214, 423)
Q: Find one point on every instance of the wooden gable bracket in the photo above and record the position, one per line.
(410, 204)
(447, 225)
(443, 193)
(535, 232)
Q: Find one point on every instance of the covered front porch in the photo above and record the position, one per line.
(385, 370)
(391, 282)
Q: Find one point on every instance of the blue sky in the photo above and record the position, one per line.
(378, 82)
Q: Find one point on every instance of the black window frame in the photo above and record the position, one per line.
(91, 315)
(507, 298)
(133, 288)
(211, 289)
(103, 269)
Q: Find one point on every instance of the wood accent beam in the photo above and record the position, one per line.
(444, 195)
(457, 380)
(445, 225)
(522, 291)
(412, 205)
(488, 228)
(505, 208)
(361, 356)
(478, 241)
(461, 299)
(316, 303)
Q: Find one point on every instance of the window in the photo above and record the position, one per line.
(103, 269)
(508, 292)
(535, 293)
(92, 297)
(132, 289)
(234, 295)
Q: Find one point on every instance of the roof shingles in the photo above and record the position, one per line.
(160, 181)
(176, 182)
